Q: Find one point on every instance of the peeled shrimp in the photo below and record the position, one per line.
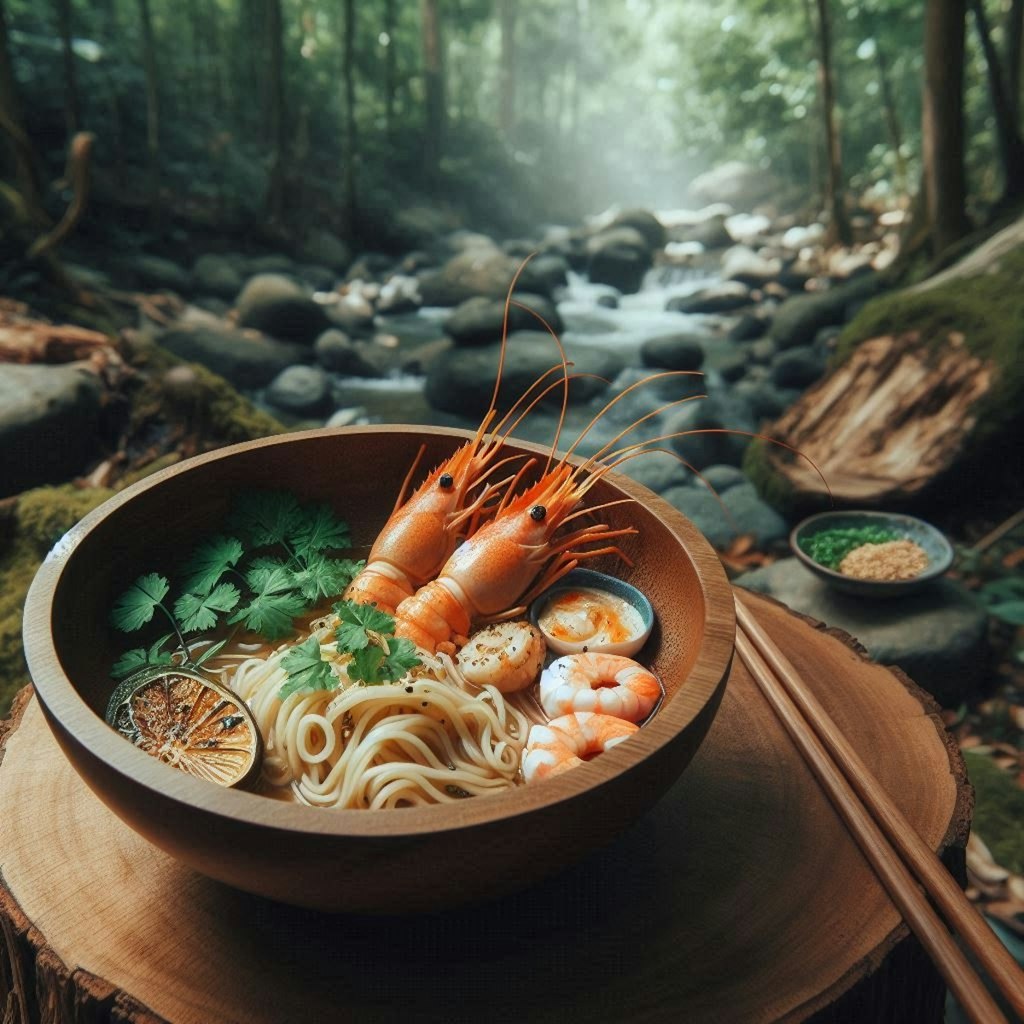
(564, 742)
(505, 655)
(609, 684)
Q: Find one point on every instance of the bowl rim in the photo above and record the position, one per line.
(74, 721)
(934, 570)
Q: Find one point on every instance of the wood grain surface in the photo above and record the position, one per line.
(738, 898)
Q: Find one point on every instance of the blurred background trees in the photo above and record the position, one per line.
(283, 113)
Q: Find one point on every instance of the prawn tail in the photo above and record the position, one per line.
(432, 616)
(379, 584)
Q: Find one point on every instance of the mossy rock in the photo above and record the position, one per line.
(40, 518)
(998, 811)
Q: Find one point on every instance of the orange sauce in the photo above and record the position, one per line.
(589, 616)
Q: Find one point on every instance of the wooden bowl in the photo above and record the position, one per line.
(381, 861)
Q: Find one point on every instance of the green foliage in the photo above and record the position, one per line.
(830, 547)
(998, 810)
(306, 670)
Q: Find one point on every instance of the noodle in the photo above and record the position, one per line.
(429, 738)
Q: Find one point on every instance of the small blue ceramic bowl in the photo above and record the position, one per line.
(934, 543)
(610, 584)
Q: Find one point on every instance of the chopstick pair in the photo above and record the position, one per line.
(875, 822)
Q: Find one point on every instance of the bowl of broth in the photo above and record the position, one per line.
(316, 841)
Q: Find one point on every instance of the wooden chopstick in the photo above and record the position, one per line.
(874, 822)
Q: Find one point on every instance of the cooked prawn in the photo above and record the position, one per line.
(565, 742)
(609, 684)
(505, 655)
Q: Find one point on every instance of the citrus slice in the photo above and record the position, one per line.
(189, 722)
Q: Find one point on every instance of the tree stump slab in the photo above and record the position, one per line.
(740, 897)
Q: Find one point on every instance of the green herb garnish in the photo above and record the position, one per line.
(364, 632)
(830, 547)
(278, 566)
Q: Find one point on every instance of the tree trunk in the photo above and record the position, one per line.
(24, 167)
(390, 62)
(434, 89)
(814, 162)
(278, 127)
(72, 107)
(349, 160)
(1011, 148)
(507, 101)
(892, 117)
(942, 123)
(152, 109)
(1014, 40)
(839, 224)
(743, 853)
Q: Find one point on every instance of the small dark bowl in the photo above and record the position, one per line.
(934, 543)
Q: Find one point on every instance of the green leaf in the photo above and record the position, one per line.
(212, 651)
(135, 607)
(403, 657)
(270, 575)
(209, 562)
(1009, 611)
(325, 577)
(196, 611)
(365, 664)
(355, 620)
(274, 602)
(306, 670)
(319, 530)
(139, 658)
(267, 517)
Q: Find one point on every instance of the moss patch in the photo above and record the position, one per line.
(988, 309)
(998, 811)
(41, 517)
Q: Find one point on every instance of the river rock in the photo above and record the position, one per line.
(620, 257)
(716, 298)
(762, 351)
(646, 223)
(657, 470)
(301, 390)
(739, 184)
(400, 293)
(741, 263)
(747, 327)
(676, 351)
(799, 319)
(323, 248)
(353, 312)
(157, 272)
(723, 477)
(721, 411)
(750, 514)
(320, 279)
(461, 380)
(552, 269)
(49, 424)
(703, 509)
(479, 321)
(938, 635)
(246, 359)
(282, 308)
(797, 367)
(766, 401)
(216, 275)
(482, 270)
(271, 263)
(338, 353)
(710, 234)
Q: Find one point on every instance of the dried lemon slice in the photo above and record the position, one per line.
(189, 722)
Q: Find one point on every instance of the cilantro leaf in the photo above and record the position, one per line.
(135, 607)
(198, 611)
(365, 664)
(403, 657)
(319, 530)
(306, 670)
(355, 620)
(324, 577)
(267, 517)
(210, 652)
(274, 602)
(209, 562)
(139, 658)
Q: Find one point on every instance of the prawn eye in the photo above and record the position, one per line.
(446, 480)
(538, 512)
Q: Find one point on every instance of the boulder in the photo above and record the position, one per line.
(246, 359)
(797, 367)
(479, 321)
(216, 275)
(552, 269)
(938, 635)
(338, 353)
(481, 270)
(49, 424)
(325, 249)
(320, 279)
(657, 470)
(739, 184)
(646, 223)
(799, 319)
(301, 390)
(703, 509)
(723, 477)
(741, 263)
(619, 257)
(716, 298)
(273, 263)
(724, 411)
(766, 401)
(676, 351)
(461, 379)
(747, 327)
(282, 308)
(710, 234)
(400, 293)
(158, 272)
(352, 312)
